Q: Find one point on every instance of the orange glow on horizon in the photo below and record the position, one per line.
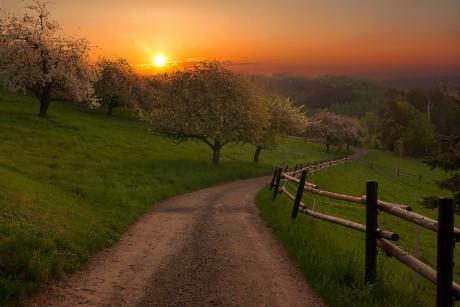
(380, 38)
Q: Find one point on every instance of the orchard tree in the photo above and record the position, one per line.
(147, 89)
(326, 126)
(352, 131)
(284, 119)
(36, 57)
(116, 86)
(210, 104)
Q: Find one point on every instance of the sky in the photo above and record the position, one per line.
(377, 39)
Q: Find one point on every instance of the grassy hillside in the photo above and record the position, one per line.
(332, 257)
(72, 183)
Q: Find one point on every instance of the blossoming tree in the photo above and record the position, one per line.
(284, 119)
(210, 104)
(36, 57)
(116, 86)
(326, 126)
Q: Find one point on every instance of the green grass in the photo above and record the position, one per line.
(71, 184)
(332, 257)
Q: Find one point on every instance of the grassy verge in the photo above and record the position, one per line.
(332, 257)
(70, 185)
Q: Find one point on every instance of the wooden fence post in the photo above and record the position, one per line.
(370, 269)
(277, 183)
(445, 253)
(295, 168)
(286, 169)
(272, 183)
(298, 197)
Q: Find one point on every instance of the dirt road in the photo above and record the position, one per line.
(200, 249)
(358, 153)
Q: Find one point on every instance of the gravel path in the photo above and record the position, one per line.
(207, 248)
(358, 153)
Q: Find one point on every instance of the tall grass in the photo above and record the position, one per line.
(332, 257)
(71, 184)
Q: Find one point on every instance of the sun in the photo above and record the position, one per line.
(159, 60)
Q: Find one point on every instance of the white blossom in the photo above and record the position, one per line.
(36, 57)
(209, 103)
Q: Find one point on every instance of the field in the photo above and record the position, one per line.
(332, 257)
(72, 183)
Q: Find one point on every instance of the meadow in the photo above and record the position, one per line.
(332, 257)
(71, 184)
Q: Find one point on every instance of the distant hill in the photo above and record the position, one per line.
(340, 94)
(345, 94)
(413, 82)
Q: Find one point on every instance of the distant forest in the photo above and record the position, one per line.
(357, 96)
(351, 95)
(339, 94)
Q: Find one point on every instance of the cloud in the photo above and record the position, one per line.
(187, 63)
(240, 63)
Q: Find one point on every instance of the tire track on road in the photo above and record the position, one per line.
(204, 248)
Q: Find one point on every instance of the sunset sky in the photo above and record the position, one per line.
(372, 38)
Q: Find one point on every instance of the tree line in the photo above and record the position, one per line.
(211, 104)
(406, 121)
(207, 103)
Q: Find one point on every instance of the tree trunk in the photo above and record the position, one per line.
(109, 109)
(327, 147)
(216, 152)
(215, 157)
(257, 154)
(45, 98)
(43, 108)
(348, 146)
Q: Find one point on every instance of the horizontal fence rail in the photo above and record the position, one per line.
(317, 167)
(376, 237)
(398, 210)
(353, 225)
(314, 189)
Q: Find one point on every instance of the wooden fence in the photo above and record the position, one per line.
(396, 172)
(375, 237)
(315, 166)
